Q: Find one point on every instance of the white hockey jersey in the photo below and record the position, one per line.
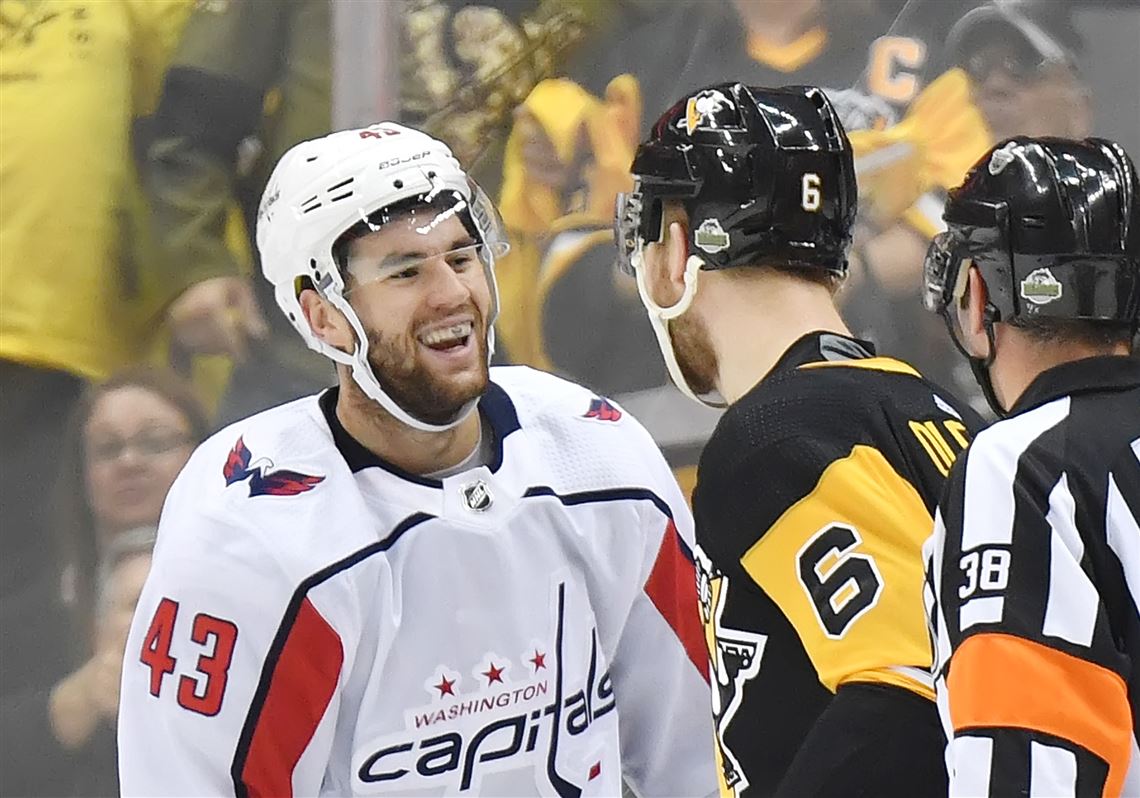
(318, 622)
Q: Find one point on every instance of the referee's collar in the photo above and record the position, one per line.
(1104, 373)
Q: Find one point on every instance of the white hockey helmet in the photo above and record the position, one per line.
(322, 188)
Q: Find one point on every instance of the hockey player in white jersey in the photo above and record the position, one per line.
(437, 578)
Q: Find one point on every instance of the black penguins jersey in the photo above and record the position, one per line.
(813, 499)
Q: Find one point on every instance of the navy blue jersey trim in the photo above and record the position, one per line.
(250, 726)
(496, 406)
(611, 495)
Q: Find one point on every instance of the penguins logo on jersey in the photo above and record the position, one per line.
(734, 656)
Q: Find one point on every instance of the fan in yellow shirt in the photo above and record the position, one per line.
(1013, 72)
(79, 293)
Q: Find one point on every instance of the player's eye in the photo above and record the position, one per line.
(462, 259)
(405, 272)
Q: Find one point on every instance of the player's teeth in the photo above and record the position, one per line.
(453, 332)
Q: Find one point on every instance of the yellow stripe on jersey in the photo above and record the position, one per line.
(844, 565)
(873, 363)
(893, 678)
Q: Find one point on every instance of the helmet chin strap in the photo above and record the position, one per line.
(659, 317)
(365, 378)
(980, 366)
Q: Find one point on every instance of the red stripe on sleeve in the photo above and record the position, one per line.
(672, 587)
(303, 682)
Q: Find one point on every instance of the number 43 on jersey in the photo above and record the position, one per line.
(203, 692)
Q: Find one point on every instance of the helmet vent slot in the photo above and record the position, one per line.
(339, 197)
(311, 204)
(311, 158)
(829, 129)
(341, 184)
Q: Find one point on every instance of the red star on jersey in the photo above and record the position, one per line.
(494, 674)
(539, 661)
(444, 686)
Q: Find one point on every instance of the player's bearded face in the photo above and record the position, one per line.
(694, 352)
(426, 389)
(423, 299)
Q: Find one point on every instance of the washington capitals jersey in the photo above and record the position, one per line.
(813, 499)
(318, 622)
(1034, 592)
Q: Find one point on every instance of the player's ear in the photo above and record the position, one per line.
(664, 265)
(677, 253)
(971, 315)
(326, 321)
(662, 279)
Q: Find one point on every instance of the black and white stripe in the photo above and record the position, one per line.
(1054, 492)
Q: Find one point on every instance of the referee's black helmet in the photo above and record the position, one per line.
(1054, 227)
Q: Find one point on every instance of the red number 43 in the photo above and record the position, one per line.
(198, 695)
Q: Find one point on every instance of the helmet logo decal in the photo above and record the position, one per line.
(702, 107)
(1041, 287)
(711, 237)
(402, 159)
(272, 194)
(1002, 158)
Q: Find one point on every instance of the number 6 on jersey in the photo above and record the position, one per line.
(840, 583)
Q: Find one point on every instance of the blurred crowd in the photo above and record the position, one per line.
(136, 137)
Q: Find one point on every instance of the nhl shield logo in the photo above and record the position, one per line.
(476, 496)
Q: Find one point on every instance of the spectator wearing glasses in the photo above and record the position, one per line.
(128, 439)
(1021, 60)
(1014, 70)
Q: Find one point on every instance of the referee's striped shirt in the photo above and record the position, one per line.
(1033, 592)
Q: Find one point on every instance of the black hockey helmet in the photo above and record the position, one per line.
(764, 174)
(1054, 227)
